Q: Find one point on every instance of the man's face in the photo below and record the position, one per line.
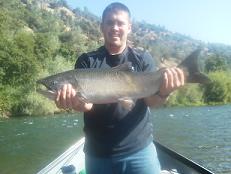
(116, 27)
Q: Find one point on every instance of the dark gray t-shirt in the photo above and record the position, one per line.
(110, 129)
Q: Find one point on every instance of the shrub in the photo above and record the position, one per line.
(219, 90)
(191, 94)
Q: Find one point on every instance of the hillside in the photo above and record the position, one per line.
(56, 16)
(158, 40)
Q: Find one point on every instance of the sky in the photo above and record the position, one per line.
(205, 20)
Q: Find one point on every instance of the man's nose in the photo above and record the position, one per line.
(115, 27)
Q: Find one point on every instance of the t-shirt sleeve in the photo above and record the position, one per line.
(149, 63)
(82, 62)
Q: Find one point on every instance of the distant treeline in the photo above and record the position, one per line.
(43, 37)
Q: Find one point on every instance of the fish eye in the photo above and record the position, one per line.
(54, 83)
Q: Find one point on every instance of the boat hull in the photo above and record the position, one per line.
(170, 161)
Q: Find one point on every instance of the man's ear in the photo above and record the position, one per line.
(129, 28)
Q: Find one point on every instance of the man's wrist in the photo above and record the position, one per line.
(164, 97)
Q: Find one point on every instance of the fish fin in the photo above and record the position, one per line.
(127, 66)
(192, 70)
(200, 78)
(127, 103)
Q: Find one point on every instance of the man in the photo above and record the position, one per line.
(119, 140)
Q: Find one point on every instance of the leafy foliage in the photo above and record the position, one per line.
(216, 63)
(187, 96)
(218, 91)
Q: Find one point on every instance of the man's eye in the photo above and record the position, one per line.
(113, 23)
(121, 23)
(109, 23)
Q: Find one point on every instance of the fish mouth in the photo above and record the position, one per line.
(43, 88)
(47, 93)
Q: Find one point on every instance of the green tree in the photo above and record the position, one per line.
(46, 45)
(215, 63)
(59, 3)
(17, 62)
(219, 90)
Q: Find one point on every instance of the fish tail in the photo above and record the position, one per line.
(192, 70)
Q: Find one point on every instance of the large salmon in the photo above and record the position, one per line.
(100, 86)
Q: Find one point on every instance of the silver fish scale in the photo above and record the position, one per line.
(106, 86)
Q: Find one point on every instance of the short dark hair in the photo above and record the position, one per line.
(114, 7)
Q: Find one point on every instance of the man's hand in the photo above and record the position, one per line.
(173, 79)
(67, 99)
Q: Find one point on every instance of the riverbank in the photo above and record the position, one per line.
(55, 111)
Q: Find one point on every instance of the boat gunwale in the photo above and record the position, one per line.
(186, 161)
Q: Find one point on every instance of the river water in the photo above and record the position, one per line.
(202, 134)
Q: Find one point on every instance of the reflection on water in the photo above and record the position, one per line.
(30, 143)
(200, 133)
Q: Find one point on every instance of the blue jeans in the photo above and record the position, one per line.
(144, 161)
